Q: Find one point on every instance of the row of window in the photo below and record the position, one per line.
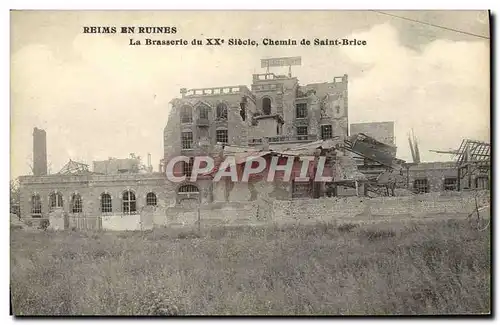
(301, 110)
(221, 136)
(326, 132)
(187, 138)
(129, 203)
(421, 185)
(203, 112)
(221, 111)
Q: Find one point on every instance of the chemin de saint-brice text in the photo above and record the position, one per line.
(247, 42)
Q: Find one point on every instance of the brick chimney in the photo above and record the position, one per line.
(39, 152)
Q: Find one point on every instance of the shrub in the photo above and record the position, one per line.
(44, 224)
(347, 227)
(188, 235)
(378, 234)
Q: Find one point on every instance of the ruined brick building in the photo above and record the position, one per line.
(277, 113)
(275, 116)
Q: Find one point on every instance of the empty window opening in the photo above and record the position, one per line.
(301, 110)
(301, 189)
(76, 203)
(203, 132)
(106, 203)
(187, 140)
(482, 183)
(188, 188)
(129, 204)
(266, 105)
(187, 167)
(421, 185)
(302, 132)
(203, 111)
(36, 206)
(221, 136)
(243, 111)
(326, 132)
(222, 111)
(186, 114)
(151, 199)
(450, 184)
(56, 201)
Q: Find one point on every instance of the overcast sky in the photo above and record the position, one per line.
(98, 97)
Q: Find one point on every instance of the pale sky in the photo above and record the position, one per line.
(98, 97)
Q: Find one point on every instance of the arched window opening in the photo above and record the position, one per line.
(188, 195)
(203, 111)
(106, 203)
(222, 111)
(56, 201)
(266, 105)
(188, 188)
(151, 199)
(186, 114)
(36, 206)
(76, 203)
(129, 203)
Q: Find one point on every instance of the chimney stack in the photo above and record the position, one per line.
(39, 152)
(150, 167)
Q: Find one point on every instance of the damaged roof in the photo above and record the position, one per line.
(307, 149)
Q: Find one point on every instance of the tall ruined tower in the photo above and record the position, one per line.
(39, 152)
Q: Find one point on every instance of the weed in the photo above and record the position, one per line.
(347, 227)
(436, 268)
(377, 234)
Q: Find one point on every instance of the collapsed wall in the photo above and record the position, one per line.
(355, 209)
(297, 211)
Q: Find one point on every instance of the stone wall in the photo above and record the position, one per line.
(57, 220)
(256, 202)
(298, 211)
(122, 222)
(238, 213)
(382, 208)
(253, 190)
(434, 172)
(117, 222)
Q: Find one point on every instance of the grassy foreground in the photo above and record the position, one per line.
(432, 268)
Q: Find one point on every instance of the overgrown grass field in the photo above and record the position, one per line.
(326, 269)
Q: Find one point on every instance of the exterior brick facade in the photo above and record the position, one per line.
(276, 111)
